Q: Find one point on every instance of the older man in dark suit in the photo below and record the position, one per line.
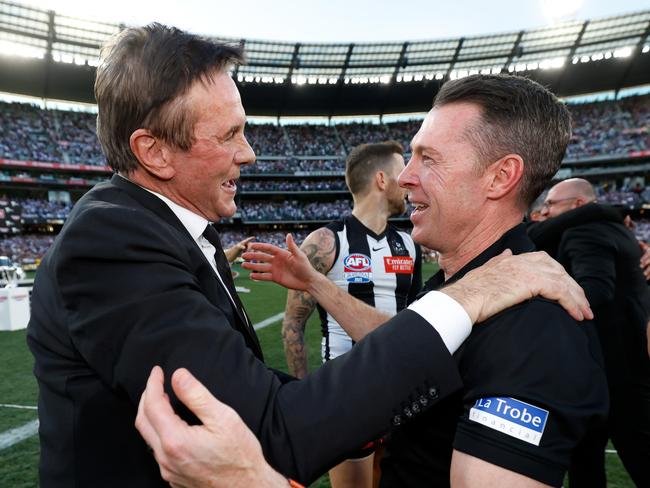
(594, 245)
(137, 277)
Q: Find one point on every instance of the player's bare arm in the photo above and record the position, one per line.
(502, 282)
(320, 249)
(292, 269)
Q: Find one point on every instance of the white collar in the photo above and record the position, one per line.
(194, 223)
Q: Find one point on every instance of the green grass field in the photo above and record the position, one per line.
(18, 464)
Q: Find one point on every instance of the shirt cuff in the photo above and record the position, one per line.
(446, 316)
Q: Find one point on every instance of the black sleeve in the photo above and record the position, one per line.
(533, 386)
(416, 281)
(133, 299)
(592, 260)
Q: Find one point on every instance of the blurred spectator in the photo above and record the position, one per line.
(314, 140)
(25, 249)
(76, 135)
(291, 210)
(354, 134)
(27, 133)
(248, 185)
(267, 139)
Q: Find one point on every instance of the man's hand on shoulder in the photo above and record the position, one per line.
(507, 280)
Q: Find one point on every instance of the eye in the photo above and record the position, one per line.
(427, 160)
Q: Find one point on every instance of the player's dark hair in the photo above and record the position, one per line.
(141, 81)
(365, 160)
(518, 116)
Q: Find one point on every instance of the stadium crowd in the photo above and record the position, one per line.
(30, 133)
(302, 185)
(292, 166)
(293, 210)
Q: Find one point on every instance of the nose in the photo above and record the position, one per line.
(407, 178)
(246, 155)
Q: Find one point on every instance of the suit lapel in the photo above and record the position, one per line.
(219, 296)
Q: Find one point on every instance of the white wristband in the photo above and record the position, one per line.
(446, 315)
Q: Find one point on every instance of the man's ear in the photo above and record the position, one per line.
(381, 180)
(504, 176)
(580, 201)
(152, 154)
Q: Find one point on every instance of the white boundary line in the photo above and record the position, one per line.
(24, 407)
(271, 320)
(14, 436)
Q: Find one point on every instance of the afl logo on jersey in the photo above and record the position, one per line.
(357, 268)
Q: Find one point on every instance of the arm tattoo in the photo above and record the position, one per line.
(300, 304)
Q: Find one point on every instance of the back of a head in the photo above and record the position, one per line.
(365, 160)
(518, 116)
(576, 187)
(142, 77)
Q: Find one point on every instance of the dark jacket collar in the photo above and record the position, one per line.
(515, 239)
(149, 201)
(547, 234)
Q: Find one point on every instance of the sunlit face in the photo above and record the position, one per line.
(395, 195)
(205, 176)
(561, 198)
(441, 178)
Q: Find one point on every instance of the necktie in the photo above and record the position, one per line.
(212, 236)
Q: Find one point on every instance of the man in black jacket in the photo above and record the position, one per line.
(594, 245)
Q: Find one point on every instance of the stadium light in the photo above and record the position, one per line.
(385, 79)
(623, 52)
(645, 49)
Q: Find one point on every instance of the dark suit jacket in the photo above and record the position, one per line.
(602, 255)
(124, 287)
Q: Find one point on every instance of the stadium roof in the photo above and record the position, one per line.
(54, 56)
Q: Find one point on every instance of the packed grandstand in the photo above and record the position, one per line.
(42, 149)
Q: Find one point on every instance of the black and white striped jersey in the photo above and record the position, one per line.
(384, 271)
